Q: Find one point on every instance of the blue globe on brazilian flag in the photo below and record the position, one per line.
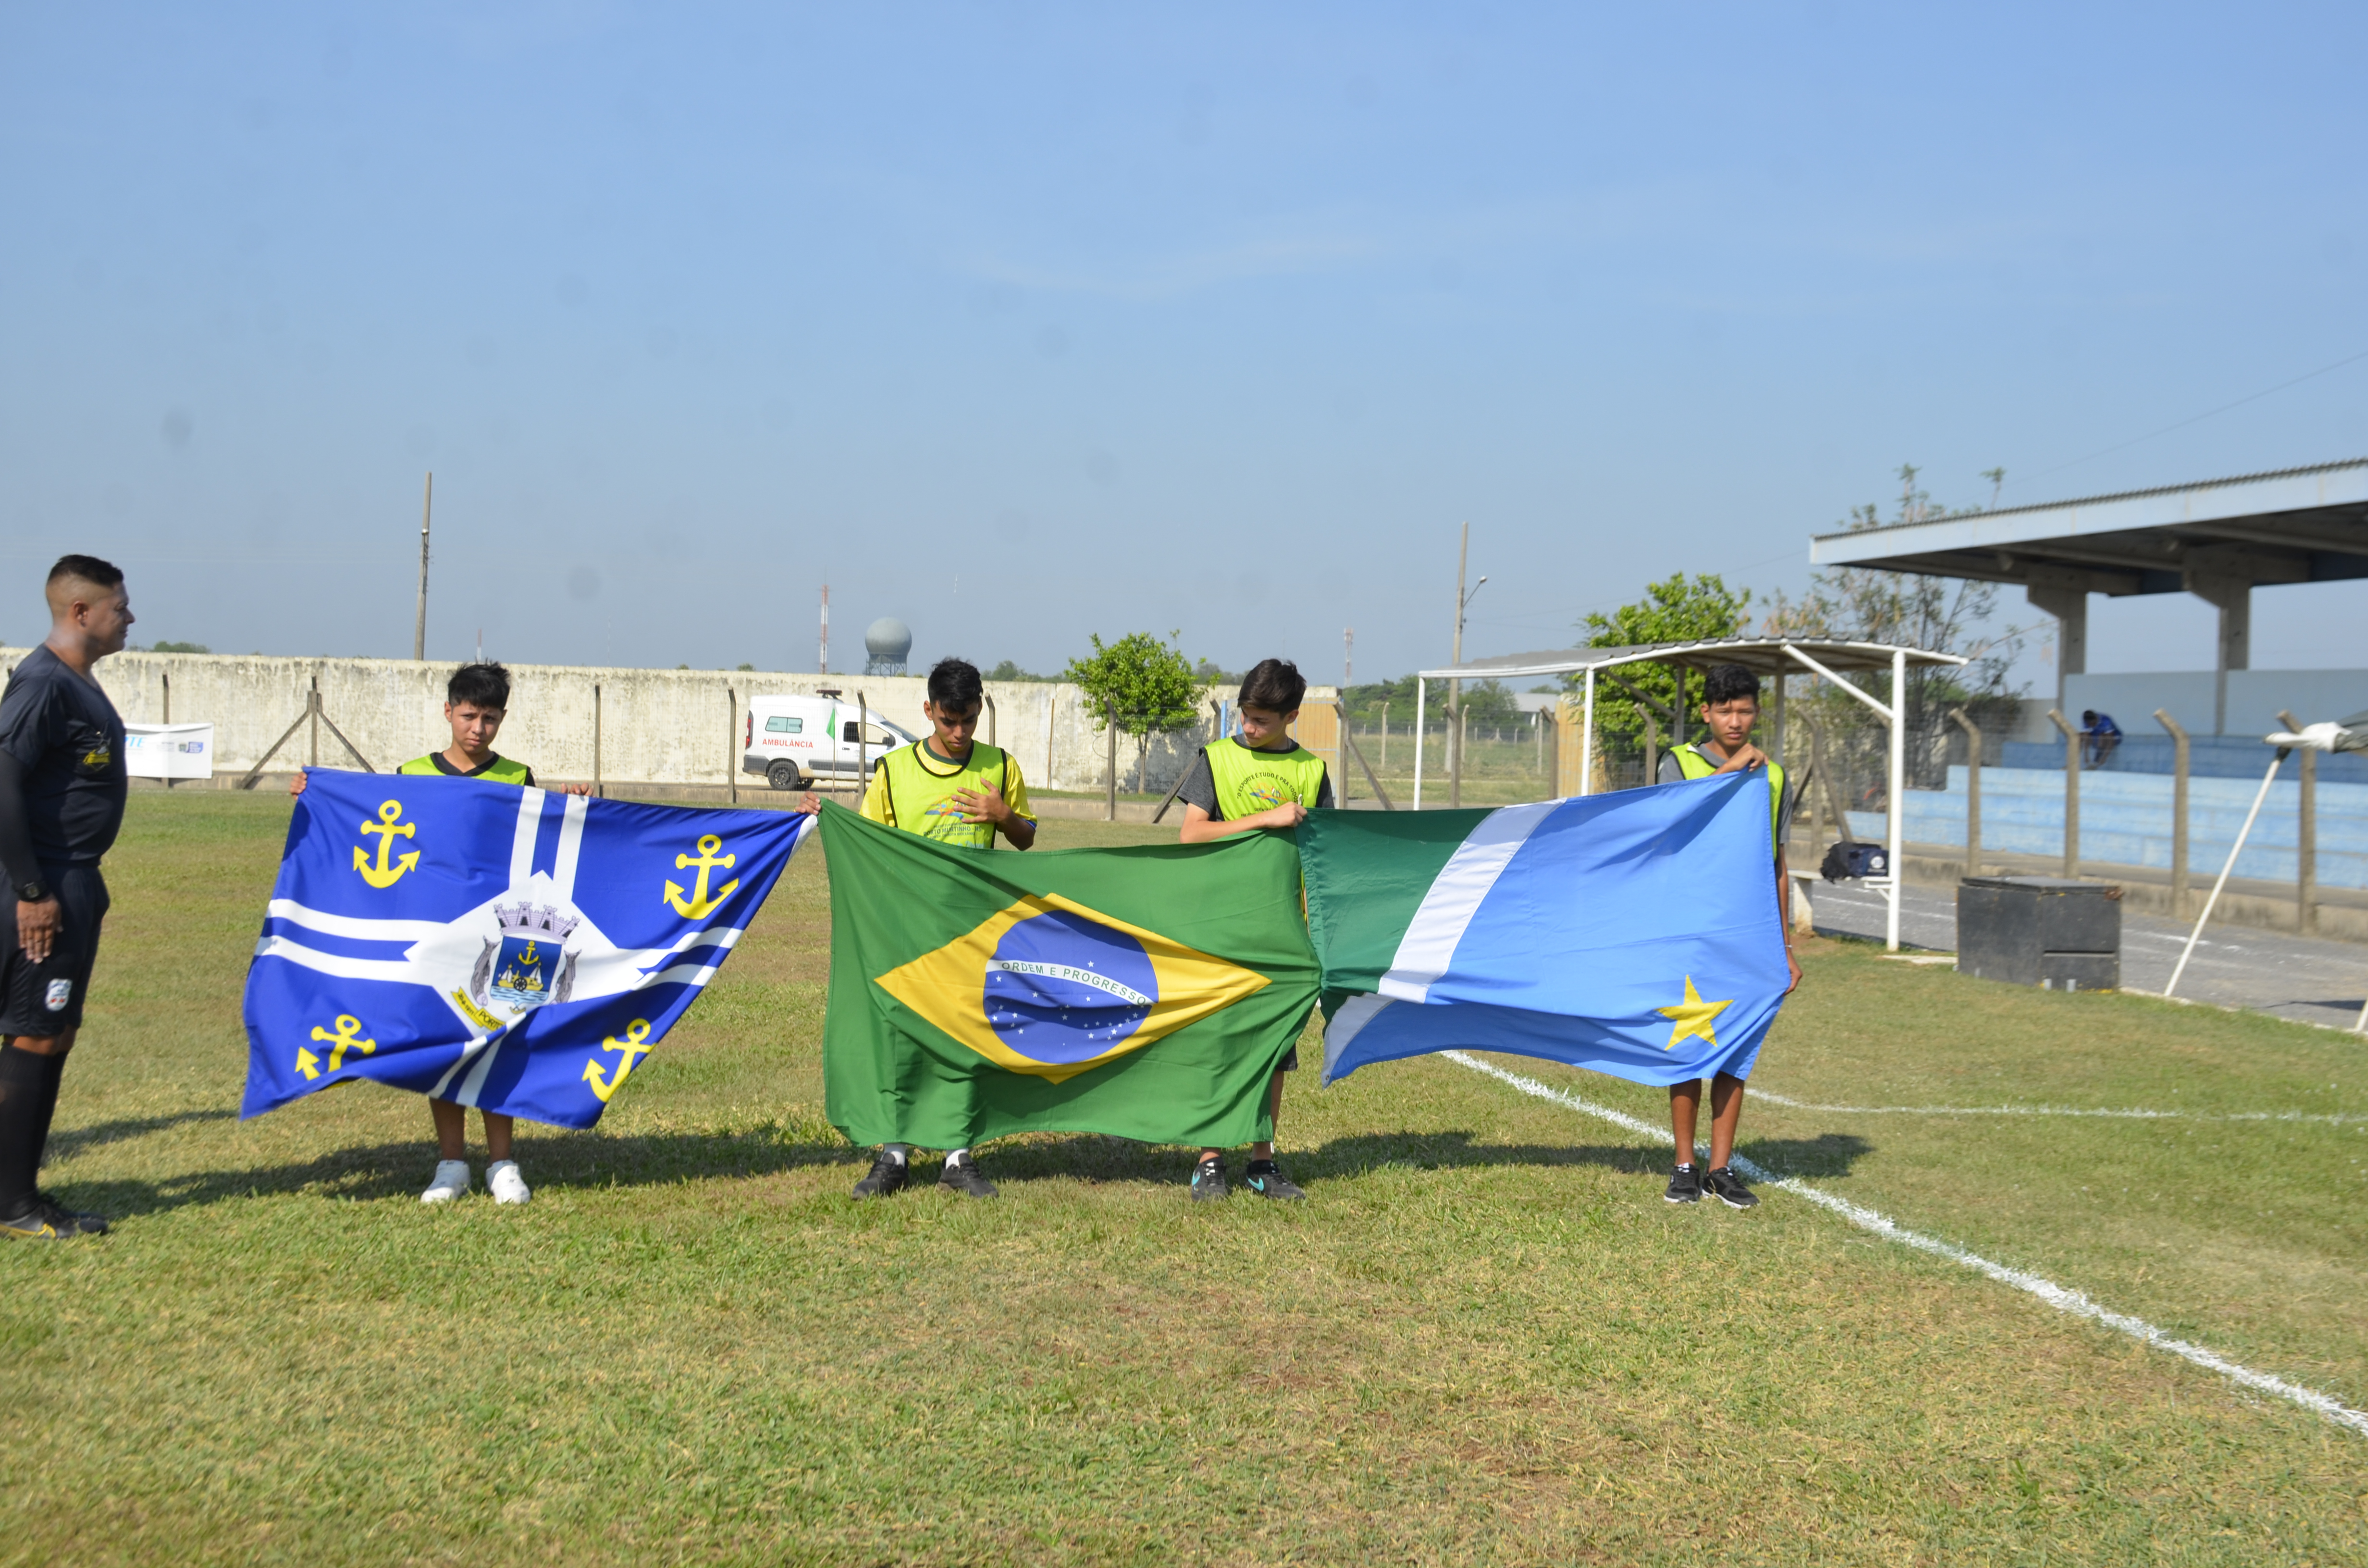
(977, 993)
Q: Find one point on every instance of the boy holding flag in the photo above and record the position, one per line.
(1261, 779)
(956, 789)
(476, 700)
(1731, 709)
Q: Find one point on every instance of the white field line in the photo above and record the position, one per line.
(2057, 1296)
(2327, 1118)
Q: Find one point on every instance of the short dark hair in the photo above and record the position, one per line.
(89, 568)
(1273, 684)
(2088, 715)
(481, 685)
(954, 685)
(1728, 681)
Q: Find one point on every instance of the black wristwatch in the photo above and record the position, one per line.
(31, 892)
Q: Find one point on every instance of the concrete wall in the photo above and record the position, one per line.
(656, 726)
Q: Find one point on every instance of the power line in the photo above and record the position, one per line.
(2197, 419)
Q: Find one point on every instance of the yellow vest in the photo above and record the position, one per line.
(1694, 764)
(501, 771)
(1249, 781)
(916, 793)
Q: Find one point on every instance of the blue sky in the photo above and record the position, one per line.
(1027, 322)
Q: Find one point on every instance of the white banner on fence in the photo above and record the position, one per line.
(169, 751)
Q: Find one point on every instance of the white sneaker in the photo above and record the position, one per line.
(508, 1186)
(452, 1181)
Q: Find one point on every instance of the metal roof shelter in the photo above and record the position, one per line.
(2217, 539)
(1777, 656)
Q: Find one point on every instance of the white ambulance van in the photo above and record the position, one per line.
(795, 741)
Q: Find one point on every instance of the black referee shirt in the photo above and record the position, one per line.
(66, 737)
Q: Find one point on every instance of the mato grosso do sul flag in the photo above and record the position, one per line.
(513, 950)
(1144, 992)
(1637, 933)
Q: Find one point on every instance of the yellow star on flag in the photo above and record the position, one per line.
(1693, 1016)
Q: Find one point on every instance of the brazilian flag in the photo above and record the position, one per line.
(1144, 992)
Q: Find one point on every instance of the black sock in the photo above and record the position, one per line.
(53, 1068)
(22, 1126)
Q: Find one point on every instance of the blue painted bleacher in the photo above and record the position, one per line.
(2125, 819)
(2209, 756)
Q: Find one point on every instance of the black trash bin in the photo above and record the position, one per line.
(2051, 932)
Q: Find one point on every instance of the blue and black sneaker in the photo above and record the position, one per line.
(1209, 1181)
(1266, 1178)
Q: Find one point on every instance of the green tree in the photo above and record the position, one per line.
(1678, 610)
(1009, 670)
(1151, 683)
(179, 648)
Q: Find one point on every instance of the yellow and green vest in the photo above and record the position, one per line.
(501, 771)
(916, 793)
(1249, 781)
(1694, 764)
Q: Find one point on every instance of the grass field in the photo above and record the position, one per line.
(1485, 1339)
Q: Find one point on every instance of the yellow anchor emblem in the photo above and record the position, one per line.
(348, 1028)
(383, 875)
(635, 1033)
(701, 906)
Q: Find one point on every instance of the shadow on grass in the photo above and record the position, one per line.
(402, 1169)
(399, 1169)
(1092, 1157)
(64, 1145)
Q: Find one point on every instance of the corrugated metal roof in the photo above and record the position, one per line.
(2101, 500)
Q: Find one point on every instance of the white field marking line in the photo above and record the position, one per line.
(2329, 1119)
(2062, 1299)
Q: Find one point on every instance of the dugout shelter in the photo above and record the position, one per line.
(2219, 539)
(1767, 657)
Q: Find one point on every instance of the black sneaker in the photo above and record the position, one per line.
(1728, 1187)
(1209, 1181)
(1685, 1185)
(961, 1175)
(82, 1221)
(1266, 1178)
(887, 1175)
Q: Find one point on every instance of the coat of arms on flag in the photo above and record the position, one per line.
(519, 952)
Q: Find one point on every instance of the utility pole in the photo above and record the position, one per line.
(822, 656)
(1455, 684)
(1349, 656)
(419, 629)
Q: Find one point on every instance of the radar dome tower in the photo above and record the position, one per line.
(886, 641)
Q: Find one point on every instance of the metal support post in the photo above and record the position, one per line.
(1112, 724)
(1421, 711)
(2234, 850)
(2071, 792)
(1973, 792)
(732, 745)
(1895, 807)
(2306, 835)
(1587, 738)
(2178, 899)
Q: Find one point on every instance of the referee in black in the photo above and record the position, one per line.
(61, 790)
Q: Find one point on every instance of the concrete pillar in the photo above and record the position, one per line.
(2233, 597)
(2070, 609)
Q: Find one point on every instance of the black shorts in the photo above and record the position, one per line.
(43, 999)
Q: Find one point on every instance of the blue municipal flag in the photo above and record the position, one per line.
(513, 950)
(1637, 933)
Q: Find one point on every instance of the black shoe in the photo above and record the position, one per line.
(83, 1221)
(961, 1175)
(887, 1175)
(1209, 1181)
(1685, 1185)
(1728, 1187)
(1266, 1178)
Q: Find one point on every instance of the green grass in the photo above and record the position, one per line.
(1485, 1339)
